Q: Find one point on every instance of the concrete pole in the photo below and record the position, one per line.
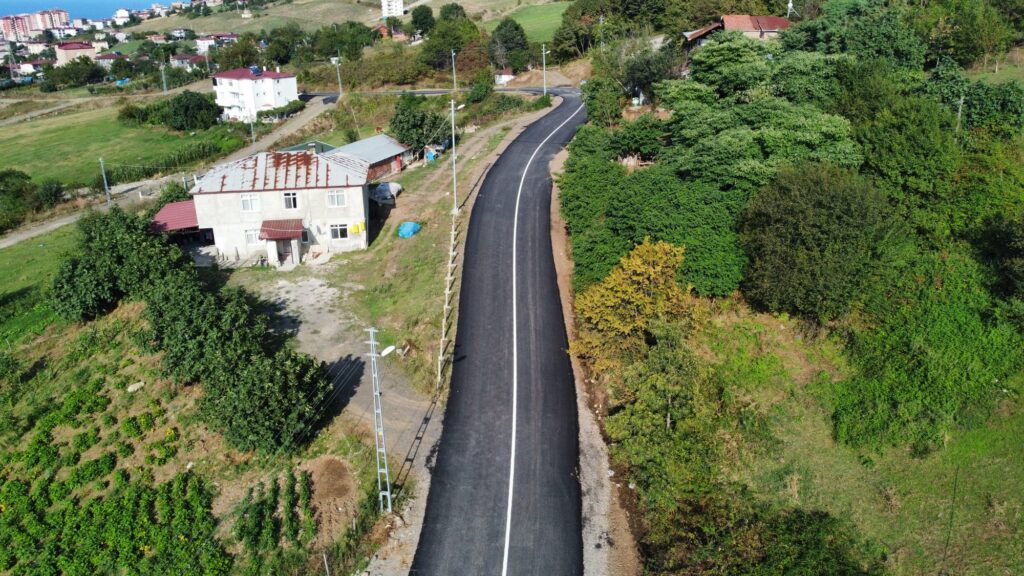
(337, 67)
(106, 187)
(163, 77)
(455, 173)
(455, 82)
(544, 64)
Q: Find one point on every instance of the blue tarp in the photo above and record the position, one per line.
(408, 229)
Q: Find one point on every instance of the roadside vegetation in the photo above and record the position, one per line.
(798, 288)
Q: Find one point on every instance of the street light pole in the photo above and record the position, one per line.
(337, 67)
(455, 82)
(455, 173)
(544, 62)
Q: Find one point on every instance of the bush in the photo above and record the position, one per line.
(813, 236)
(932, 360)
(293, 107)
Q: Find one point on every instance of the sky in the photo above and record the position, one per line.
(76, 8)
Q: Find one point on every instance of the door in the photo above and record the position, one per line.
(284, 251)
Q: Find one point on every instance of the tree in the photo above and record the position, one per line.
(423, 19)
(78, 72)
(644, 70)
(601, 95)
(48, 194)
(509, 47)
(192, 111)
(615, 315)
(731, 62)
(414, 126)
(239, 54)
(15, 190)
(452, 11)
(122, 68)
(446, 36)
(812, 237)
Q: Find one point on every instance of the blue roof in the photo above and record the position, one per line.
(373, 149)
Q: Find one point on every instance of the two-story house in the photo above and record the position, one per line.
(284, 205)
(244, 92)
(73, 50)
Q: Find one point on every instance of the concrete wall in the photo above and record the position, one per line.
(223, 214)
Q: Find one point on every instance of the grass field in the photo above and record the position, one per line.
(540, 21)
(68, 147)
(27, 269)
(968, 492)
(129, 47)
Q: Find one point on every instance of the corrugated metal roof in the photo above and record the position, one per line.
(748, 23)
(373, 149)
(281, 229)
(701, 32)
(175, 216)
(269, 171)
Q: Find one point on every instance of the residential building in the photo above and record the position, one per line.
(107, 60)
(204, 43)
(503, 76)
(122, 16)
(244, 92)
(389, 8)
(73, 50)
(15, 28)
(285, 206)
(756, 27)
(180, 33)
(34, 48)
(32, 67)
(188, 61)
(384, 155)
(157, 38)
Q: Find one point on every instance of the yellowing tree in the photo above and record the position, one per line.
(613, 316)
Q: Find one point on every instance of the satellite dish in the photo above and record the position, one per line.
(387, 351)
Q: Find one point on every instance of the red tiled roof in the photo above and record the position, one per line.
(281, 229)
(74, 46)
(175, 216)
(246, 74)
(748, 23)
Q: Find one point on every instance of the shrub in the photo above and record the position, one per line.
(812, 236)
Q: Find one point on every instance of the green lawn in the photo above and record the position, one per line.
(27, 269)
(68, 147)
(540, 21)
(128, 48)
(1007, 71)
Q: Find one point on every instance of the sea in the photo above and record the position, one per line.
(92, 9)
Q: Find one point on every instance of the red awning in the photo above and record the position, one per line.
(175, 216)
(281, 229)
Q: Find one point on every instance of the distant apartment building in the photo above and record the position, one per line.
(73, 50)
(122, 16)
(389, 8)
(244, 92)
(15, 28)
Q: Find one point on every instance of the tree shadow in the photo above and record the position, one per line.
(345, 375)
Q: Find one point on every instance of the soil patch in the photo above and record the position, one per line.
(335, 497)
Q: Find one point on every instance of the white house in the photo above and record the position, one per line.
(389, 8)
(122, 16)
(243, 92)
(204, 43)
(286, 206)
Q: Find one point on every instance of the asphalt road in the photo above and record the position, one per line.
(504, 496)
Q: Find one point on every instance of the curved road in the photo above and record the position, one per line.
(504, 496)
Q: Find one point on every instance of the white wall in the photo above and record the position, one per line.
(223, 213)
(243, 99)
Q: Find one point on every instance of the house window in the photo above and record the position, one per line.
(291, 200)
(250, 203)
(339, 231)
(305, 236)
(252, 237)
(336, 199)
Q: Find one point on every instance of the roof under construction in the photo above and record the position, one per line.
(277, 171)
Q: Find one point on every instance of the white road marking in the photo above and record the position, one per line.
(515, 344)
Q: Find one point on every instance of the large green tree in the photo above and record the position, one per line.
(423, 19)
(414, 126)
(812, 237)
(509, 47)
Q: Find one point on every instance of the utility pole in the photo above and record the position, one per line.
(455, 82)
(337, 67)
(455, 173)
(601, 20)
(163, 77)
(252, 131)
(544, 62)
(383, 474)
(10, 56)
(106, 187)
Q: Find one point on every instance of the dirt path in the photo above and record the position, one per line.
(314, 108)
(609, 548)
(36, 113)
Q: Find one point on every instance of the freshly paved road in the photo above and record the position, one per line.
(512, 407)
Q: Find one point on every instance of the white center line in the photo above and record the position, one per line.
(515, 344)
